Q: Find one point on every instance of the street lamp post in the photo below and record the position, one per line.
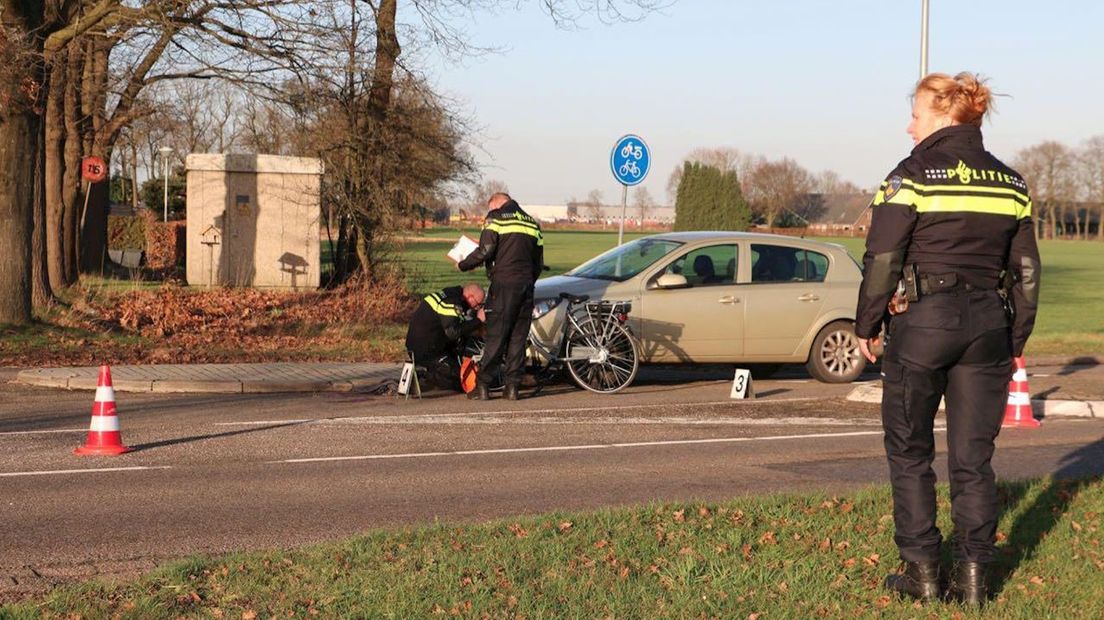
(165, 152)
(923, 38)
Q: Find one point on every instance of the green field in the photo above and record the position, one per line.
(1071, 314)
(795, 556)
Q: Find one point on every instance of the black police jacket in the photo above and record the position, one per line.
(951, 207)
(511, 246)
(440, 321)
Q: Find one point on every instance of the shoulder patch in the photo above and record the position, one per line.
(892, 185)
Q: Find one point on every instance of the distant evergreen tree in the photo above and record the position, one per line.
(708, 199)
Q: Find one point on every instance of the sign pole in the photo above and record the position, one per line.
(624, 205)
(629, 163)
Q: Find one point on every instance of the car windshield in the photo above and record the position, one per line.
(624, 262)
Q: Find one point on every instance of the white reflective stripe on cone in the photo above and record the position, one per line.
(104, 423)
(1020, 375)
(1019, 398)
(105, 394)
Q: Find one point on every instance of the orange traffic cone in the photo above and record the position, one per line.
(103, 435)
(1017, 413)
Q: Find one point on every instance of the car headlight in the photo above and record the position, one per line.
(544, 306)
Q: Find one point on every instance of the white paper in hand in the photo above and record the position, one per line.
(460, 250)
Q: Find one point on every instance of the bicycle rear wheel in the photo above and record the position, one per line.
(602, 358)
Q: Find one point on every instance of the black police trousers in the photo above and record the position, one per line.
(442, 370)
(509, 308)
(956, 345)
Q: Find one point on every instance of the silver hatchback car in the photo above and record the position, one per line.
(724, 297)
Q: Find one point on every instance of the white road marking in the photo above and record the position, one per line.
(491, 418)
(57, 430)
(533, 411)
(635, 444)
(12, 474)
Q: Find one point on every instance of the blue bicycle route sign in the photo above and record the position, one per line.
(630, 160)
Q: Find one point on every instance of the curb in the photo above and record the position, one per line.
(871, 392)
(68, 380)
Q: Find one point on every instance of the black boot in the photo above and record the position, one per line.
(919, 580)
(968, 584)
(510, 392)
(481, 392)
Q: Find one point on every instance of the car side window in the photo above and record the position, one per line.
(714, 265)
(814, 265)
(777, 263)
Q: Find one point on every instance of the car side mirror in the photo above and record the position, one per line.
(672, 281)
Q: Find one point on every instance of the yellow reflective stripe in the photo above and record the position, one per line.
(935, 199)
(922, 189)
(973, 204)
(516, 227)
(441, 307)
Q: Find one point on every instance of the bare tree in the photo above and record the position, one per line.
(481, 192)
(774, 187)
(829, 182)
(1048, 169)
(644, 203)
(723, 158)
(1091, 174)
(593, 205)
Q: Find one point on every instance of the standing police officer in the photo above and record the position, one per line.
(948, 222)
(512, 248)
(440, 323)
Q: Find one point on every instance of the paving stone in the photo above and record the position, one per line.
(198, 386)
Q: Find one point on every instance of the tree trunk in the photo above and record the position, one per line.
(54, 173)
(93, 233)
(71, 181)
(20, 132)
(134, 175)
(41, 293)
(18, 146)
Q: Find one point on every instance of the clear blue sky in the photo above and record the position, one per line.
(825, 83)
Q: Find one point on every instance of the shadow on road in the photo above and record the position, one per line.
(1078, 364)
(179, 440)
(1077, 470)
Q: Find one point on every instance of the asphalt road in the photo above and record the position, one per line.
(214, 473)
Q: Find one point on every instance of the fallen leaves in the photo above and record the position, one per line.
(188, 326)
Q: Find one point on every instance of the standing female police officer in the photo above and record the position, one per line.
(949, 221)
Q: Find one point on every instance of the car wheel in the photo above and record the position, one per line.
(834, 356)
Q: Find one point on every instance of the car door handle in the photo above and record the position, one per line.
(729, 299)
(809, 297)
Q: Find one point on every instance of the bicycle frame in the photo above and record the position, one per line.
(606, 313)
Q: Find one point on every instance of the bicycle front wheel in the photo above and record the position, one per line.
(602, 358)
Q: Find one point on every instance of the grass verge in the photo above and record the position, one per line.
(793, 556)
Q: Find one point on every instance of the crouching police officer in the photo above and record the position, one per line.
(948, 222)
(512, 248)
(437, 329)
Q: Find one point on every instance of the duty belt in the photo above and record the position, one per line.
(931, 284)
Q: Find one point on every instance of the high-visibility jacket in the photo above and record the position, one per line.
(440, 321)
(951, 207)
(511, 246)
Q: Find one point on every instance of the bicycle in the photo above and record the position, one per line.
(593, 344)
(628, 168)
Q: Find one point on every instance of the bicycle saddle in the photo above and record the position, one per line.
(575, 299)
